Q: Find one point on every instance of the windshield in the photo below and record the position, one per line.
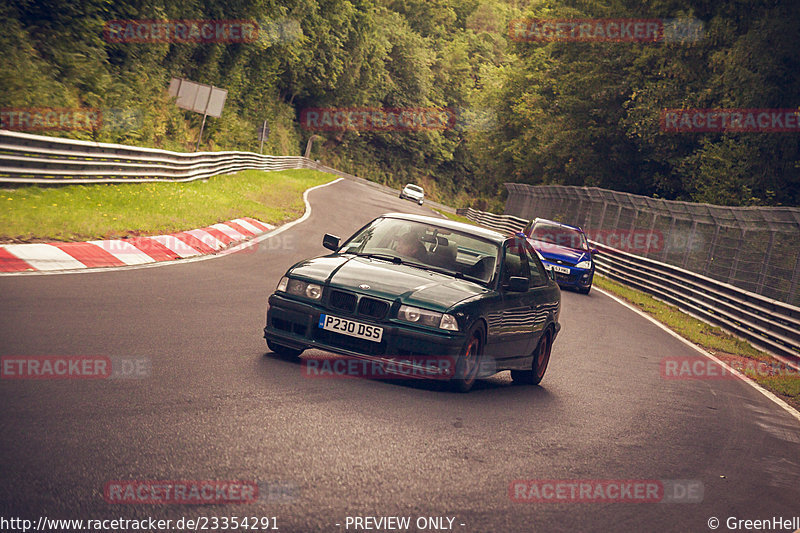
(426, 246)
(414, 188)
(560, 236)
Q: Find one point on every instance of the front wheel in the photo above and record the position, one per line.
(420, 202)
(284, 351)
(469, 362)
(584, 290)
(538, 365)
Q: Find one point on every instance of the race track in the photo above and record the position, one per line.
(217, 405)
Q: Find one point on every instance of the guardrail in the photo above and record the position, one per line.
(770, 325)
(502, 223)
(26, 158)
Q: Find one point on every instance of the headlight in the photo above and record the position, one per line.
(303, 289)
(584, 264)
(415, 315)
(282, 284)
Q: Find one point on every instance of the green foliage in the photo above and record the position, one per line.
(559, 112)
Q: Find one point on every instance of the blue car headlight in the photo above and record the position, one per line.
(584, 264)
(415, 315)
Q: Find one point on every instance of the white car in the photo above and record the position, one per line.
(413, 192)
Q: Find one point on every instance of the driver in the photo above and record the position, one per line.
(409, 245)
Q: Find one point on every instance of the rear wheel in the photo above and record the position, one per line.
(283, 351)
(469, 362)
(539, 364)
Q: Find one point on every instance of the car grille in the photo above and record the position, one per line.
(561, 262)
(372, 308)
(566, 278)
(289, 326)
(343, 301)
(350, 303)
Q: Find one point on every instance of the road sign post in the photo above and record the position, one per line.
(263, 135)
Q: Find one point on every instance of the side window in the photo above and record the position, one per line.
(538, 275)
(514, 262)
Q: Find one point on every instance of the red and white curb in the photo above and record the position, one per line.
(57, 256)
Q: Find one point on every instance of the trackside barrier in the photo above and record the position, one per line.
(768, 324)
(27, 158)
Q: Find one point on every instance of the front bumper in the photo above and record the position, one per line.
(578, 278)
(412, 197)
(296, 324)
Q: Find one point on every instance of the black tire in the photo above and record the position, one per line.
(469, 361)
(284, 351)
(539, 364)
(584, 291)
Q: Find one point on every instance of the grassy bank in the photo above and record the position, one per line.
(736, 352)
(453, 216)
(102, 211)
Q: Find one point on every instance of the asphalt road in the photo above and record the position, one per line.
(217, 405)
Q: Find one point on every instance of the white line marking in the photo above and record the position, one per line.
(233, 249)
(788, 408)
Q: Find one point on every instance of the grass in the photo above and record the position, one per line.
(734, 351)
(453, 216)
(104, 211)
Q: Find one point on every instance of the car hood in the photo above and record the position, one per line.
(414, 286)
(555, 252)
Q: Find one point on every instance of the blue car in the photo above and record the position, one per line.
(565, 250)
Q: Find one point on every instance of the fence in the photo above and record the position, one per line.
(754, 248)
(768, 324)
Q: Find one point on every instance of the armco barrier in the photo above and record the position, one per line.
(26, 158)
(768, 324)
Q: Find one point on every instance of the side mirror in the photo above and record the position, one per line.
(518, 284)
(594, 252)
(331, 242)
(551, 274)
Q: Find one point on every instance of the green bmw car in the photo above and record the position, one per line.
(429, 297)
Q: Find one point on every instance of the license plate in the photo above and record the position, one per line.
(560, 269)
(351, 328)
